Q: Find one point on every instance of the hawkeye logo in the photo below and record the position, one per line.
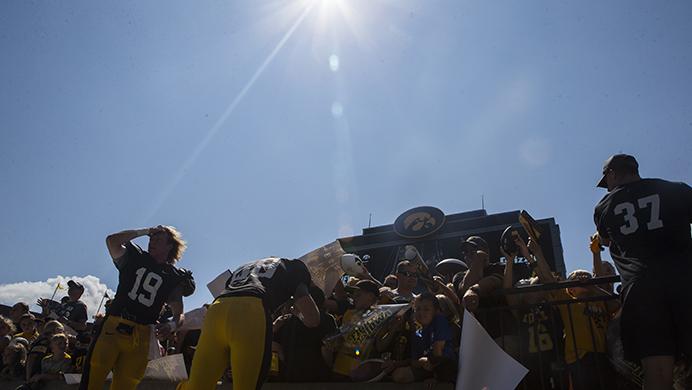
(419, 222)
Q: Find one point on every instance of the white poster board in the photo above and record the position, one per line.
(481, 359)
(217, 285)
(169, 368)
(324, 264)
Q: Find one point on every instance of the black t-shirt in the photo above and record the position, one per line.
(302, 349)
(648, 222)
(540, 330)
(143, 286)
(540, 343)
(40, 349)
(273, 279)
(78, 357)
(73, 311)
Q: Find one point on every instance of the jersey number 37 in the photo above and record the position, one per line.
(631, 222)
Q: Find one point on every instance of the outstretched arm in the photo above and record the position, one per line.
(475, 272)
(441, 288)
(508, 279)
(543, 271)
(116, 241)
(595, 247)
(488, 284)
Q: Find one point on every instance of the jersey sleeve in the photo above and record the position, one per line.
(176, 294)
(598, 218)
(131, 251)
(297, 273)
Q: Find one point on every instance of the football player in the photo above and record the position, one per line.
(646, 223)
(147, 280)
(237, 329)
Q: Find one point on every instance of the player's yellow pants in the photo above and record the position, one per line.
(121, 346)
(236, 330)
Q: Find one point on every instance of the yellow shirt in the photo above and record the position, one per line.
(348, 356)
(30, 337)
(589, 321)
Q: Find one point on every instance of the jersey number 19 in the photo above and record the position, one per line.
(151, 285)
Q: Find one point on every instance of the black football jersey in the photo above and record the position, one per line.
(273, 279)
(144, 286)
(73, 311)
(540, 330)
(648, 222)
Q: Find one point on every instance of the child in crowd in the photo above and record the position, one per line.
(585, 325)
(40, 348)
(4, 343)
(53, 366)
(349, 355)
(13, 359)
(432, 352)
(540, 326)
(79, 347)
(6, 327)
(28, 326)
(450, 311)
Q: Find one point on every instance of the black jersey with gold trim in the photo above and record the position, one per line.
(648, 222)
(273, 279)
(143, 285)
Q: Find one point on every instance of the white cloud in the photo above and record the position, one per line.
(29, 292)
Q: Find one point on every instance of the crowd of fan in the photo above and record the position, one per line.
(40, 347)
(560, 341)
(558, 334)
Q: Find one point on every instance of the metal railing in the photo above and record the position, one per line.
(537, 333)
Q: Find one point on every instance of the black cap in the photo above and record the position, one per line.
(475, 243)
(368, 286)
(617, 163)
(72, 284)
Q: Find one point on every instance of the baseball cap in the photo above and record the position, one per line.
(475, 243)
(72, 284)
(368, 286)
(617, 162)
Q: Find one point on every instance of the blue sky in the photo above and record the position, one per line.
(228, 119)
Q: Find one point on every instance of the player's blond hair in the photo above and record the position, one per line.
(176, 240)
